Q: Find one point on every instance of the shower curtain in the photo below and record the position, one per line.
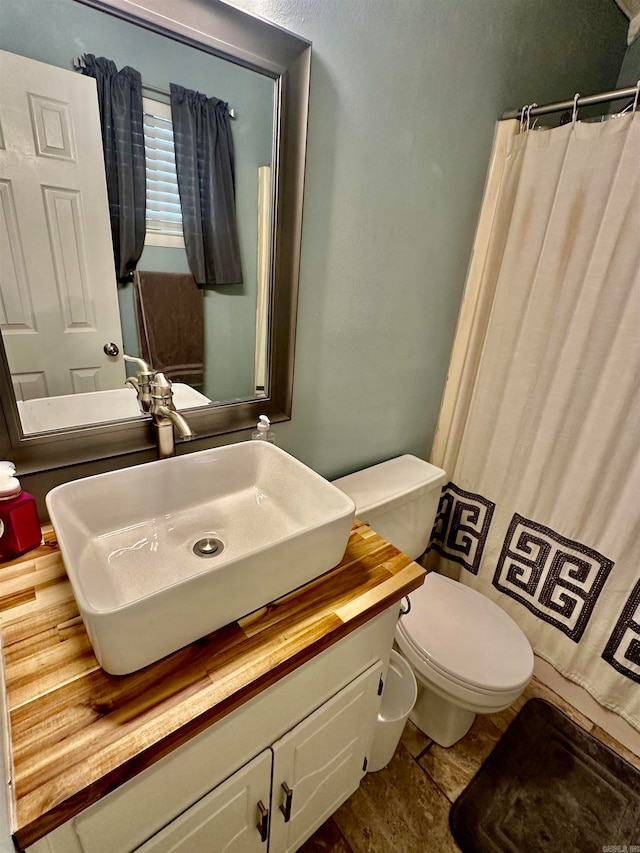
(539, 429)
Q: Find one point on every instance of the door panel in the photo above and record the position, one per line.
(58, 297)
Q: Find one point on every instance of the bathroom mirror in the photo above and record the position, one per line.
(270, 68)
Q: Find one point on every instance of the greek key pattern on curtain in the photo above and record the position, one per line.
(557, 579)
(623, 649)
(461, 527)
(539, 429)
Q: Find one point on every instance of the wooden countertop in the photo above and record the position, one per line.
(77, 732)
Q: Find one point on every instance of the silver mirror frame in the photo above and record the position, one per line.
(264, 47)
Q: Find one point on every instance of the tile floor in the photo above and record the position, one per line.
(405, 807)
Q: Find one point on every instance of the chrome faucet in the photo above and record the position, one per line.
(155, 398)
(142, 382)
(166, 417)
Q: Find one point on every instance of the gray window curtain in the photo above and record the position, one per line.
(120, 104)
(206, 182)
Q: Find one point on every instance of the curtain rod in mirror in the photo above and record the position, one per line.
(79, 64)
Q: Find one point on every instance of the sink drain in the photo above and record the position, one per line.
(208, 547)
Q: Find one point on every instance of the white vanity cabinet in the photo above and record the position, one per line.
(263, 778)
(314, 768)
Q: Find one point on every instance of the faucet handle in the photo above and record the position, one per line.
(133, 381)
(161, 392)
(143, 367)
(142, 382)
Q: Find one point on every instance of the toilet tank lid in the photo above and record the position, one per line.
(390, 482)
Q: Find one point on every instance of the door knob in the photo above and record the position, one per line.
(111, 349)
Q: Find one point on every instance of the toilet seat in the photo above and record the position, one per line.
(466, 638)
(431, 673)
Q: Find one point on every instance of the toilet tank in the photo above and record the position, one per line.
(399, 499)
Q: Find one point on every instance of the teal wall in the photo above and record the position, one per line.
(55, 31)
(630, 70)
(404, 99)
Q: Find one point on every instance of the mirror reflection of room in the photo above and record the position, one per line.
(63, 300)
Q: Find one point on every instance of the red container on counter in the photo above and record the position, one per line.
(19, 522)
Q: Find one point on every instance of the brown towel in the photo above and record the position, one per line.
(170, 317)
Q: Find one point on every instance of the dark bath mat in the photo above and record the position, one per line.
(549, 785)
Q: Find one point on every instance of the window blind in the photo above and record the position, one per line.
(164, 215)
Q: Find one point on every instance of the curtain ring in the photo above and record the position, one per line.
(529, 108)
(637, 96)
(574, 114)
(523, 113)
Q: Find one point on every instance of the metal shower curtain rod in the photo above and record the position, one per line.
(585, 101)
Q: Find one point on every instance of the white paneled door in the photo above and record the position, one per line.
(58, 296)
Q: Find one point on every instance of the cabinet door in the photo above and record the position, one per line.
(319, 763)
(225, 821)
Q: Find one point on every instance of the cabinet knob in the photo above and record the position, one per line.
(288, 798)
(263, 822)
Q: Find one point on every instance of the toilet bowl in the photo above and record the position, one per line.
(469, 657)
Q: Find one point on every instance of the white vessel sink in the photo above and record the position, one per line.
(94, 407)
(127, 540)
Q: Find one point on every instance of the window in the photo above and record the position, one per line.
(164, 217)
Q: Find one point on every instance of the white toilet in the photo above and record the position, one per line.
(469, 657)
